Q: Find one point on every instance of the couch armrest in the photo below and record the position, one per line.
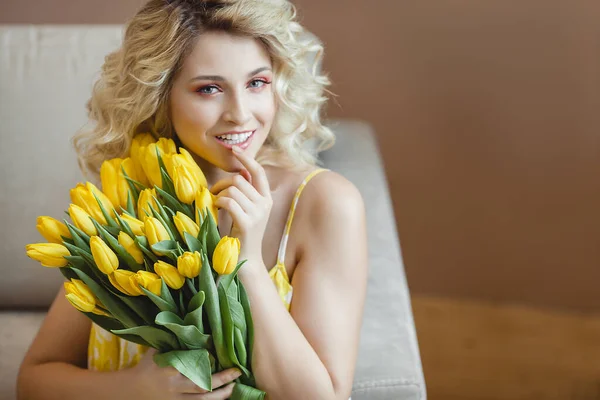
(389, 364)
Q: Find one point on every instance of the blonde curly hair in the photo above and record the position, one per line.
(131, 95)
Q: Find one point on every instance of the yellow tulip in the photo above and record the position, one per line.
(137, 154)
(83, 196)
(166, 146)
(126, 282)
(205, 199)
(150, 159)
(151, 166)
(137, 226)
(81, 219)
(109, 176)
(82, 298)
(146, 200)
(105, 258)
(149, 281)
(185, 184)
(169, 274)
(189, 264)
(170, 161)
(226, 255)
(155, 232)
(185, 224)
(114, 184)
(49, 254)
(131, 247)
(52, 229)
(196, 170)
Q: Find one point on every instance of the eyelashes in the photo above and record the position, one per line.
(213, 89)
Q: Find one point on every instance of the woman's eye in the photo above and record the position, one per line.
(210, 89)
(257, 83)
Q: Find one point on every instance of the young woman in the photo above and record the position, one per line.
(232, 82)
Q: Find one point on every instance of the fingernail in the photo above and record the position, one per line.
(236, 149)
(237, 373)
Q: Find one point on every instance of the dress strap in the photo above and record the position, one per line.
(288, 224)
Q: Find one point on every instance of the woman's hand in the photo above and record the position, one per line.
(247, 198)
(151, 382)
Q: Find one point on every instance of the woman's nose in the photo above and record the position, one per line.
(238, 111)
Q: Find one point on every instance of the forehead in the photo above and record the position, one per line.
(222, 53)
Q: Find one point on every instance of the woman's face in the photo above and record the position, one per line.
(223, 96)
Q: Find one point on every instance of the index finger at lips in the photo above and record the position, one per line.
(257, 172)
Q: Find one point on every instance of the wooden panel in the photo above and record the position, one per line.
(484, 351)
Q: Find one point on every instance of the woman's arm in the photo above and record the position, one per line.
(311, 352)
(54, 368)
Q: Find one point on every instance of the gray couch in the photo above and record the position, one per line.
(46, 73)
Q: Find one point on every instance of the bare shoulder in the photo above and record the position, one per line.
(330, 205)
(332, 195)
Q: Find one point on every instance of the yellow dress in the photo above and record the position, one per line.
(107, 352)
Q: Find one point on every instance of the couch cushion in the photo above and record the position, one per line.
(389, 365)
(17, 330)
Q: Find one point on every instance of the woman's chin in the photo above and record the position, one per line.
(230, 165)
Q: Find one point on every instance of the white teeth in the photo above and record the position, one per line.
(235, 138)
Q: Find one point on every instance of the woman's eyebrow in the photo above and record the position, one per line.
(220, 78)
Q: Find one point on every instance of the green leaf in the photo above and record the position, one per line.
(212, 307)
(192, 243)
(181, 303)
(245, 301)
(125, 226)
(132, 338)
(157, 338)
(142, 307)
(190, 284)
(112, 303)
(162, 304)
(194, 311)
(130, 207)
(168, 248)
(226, 280)
(67, 272)
(228, 329)
(213, 237)
(173, 202)
(89, 265)
(106, 323)
(202, 236)
(142, 242)
(189, 335)
(137, 185)
(113, 230)
(80, 239)
(245, 392)
(109, 220)
(167, 182)
(76, 261)
(134, 190)
(240, 347)
(237, 313)
(193, 364)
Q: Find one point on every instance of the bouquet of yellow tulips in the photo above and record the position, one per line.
(144, 260)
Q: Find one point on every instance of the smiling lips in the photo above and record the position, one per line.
(241, 139)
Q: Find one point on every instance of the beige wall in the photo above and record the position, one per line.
(487, 116)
